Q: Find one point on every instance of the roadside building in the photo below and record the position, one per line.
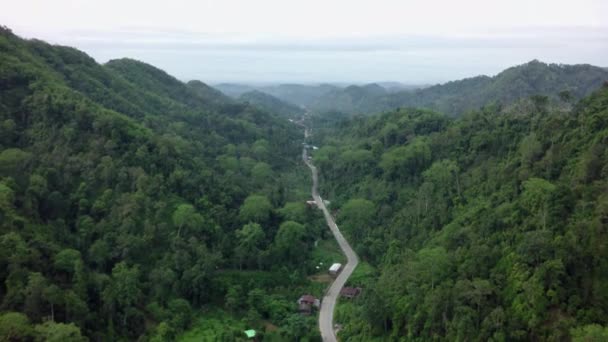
(306, 303)
(350, 292)
(335, 269)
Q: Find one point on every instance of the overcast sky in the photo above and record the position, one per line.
(412, 41)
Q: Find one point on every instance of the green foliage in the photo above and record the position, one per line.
(121, 188)
(128, 199)
(15, 326)
(486, 227)
(295, 211)
(58, 332)
(250, 242)
(590, 333)
(66, 260)
(270, 103)
(256, 208)
(12, 160)
(358, 216)
(539, 81)
(290, 242)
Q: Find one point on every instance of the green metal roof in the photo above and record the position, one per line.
(250, 333)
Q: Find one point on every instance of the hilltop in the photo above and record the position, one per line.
(457, 97)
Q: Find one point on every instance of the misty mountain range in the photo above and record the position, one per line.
(452, 98)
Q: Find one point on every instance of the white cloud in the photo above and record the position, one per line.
(338, 40)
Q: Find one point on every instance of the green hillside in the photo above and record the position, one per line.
(300, 95)
(137, 207)
(271, 104)
(489, 227)
(130, 201)
(571, 82)
(351, 100)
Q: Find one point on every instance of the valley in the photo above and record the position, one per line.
(135, 206)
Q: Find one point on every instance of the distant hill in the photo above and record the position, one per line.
(392, 87)
(232, 89)
(270, 103)
(210, 94)
(352, 99)
(301, 95)
(457, 97)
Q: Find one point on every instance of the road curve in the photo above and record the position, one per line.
(326, 314)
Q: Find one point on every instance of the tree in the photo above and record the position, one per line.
(589, 333)
(289, 243)
(260, 149)
(444, 185)
(54, 296)
(294, 211)
(34, 296)
(256, 299)
(261, 173)
(58, 332)
(12, 160)
(358, 215)
(7, 199)
(295, 327)
(180, 313)
(474, 293)
(186, 216)
(234, 298)
(256, 208)
(536, 196)
(123, 290)
(403, 161)
(66, 260)
(433, 264)
(15, 326)
(249, 243)
(530, 149)
(99, 253)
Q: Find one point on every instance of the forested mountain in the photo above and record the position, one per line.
(455, 98)
(301, 95)
(393, 87)
(209, 93)
(352, 99)
(132, 204)
(489, 227)
(270, 103)
(232, 89)
(129, 200)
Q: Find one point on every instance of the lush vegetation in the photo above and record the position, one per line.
(351, 100)
(300, 95)
(569, 82)
(271, 104)
(134, 206)
(131, 202)
(487, 227)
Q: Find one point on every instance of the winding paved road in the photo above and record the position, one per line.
(326, 314)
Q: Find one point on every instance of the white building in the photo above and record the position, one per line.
(335, 269)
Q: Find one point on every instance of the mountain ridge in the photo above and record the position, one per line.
(456, 97)
(270, 103)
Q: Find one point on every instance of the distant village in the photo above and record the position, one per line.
(309, 304)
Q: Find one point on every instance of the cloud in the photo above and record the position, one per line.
(155, 40)
(257, 57)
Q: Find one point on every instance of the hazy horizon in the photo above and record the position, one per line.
(271, 42)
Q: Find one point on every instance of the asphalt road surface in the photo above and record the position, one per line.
(326, 314)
